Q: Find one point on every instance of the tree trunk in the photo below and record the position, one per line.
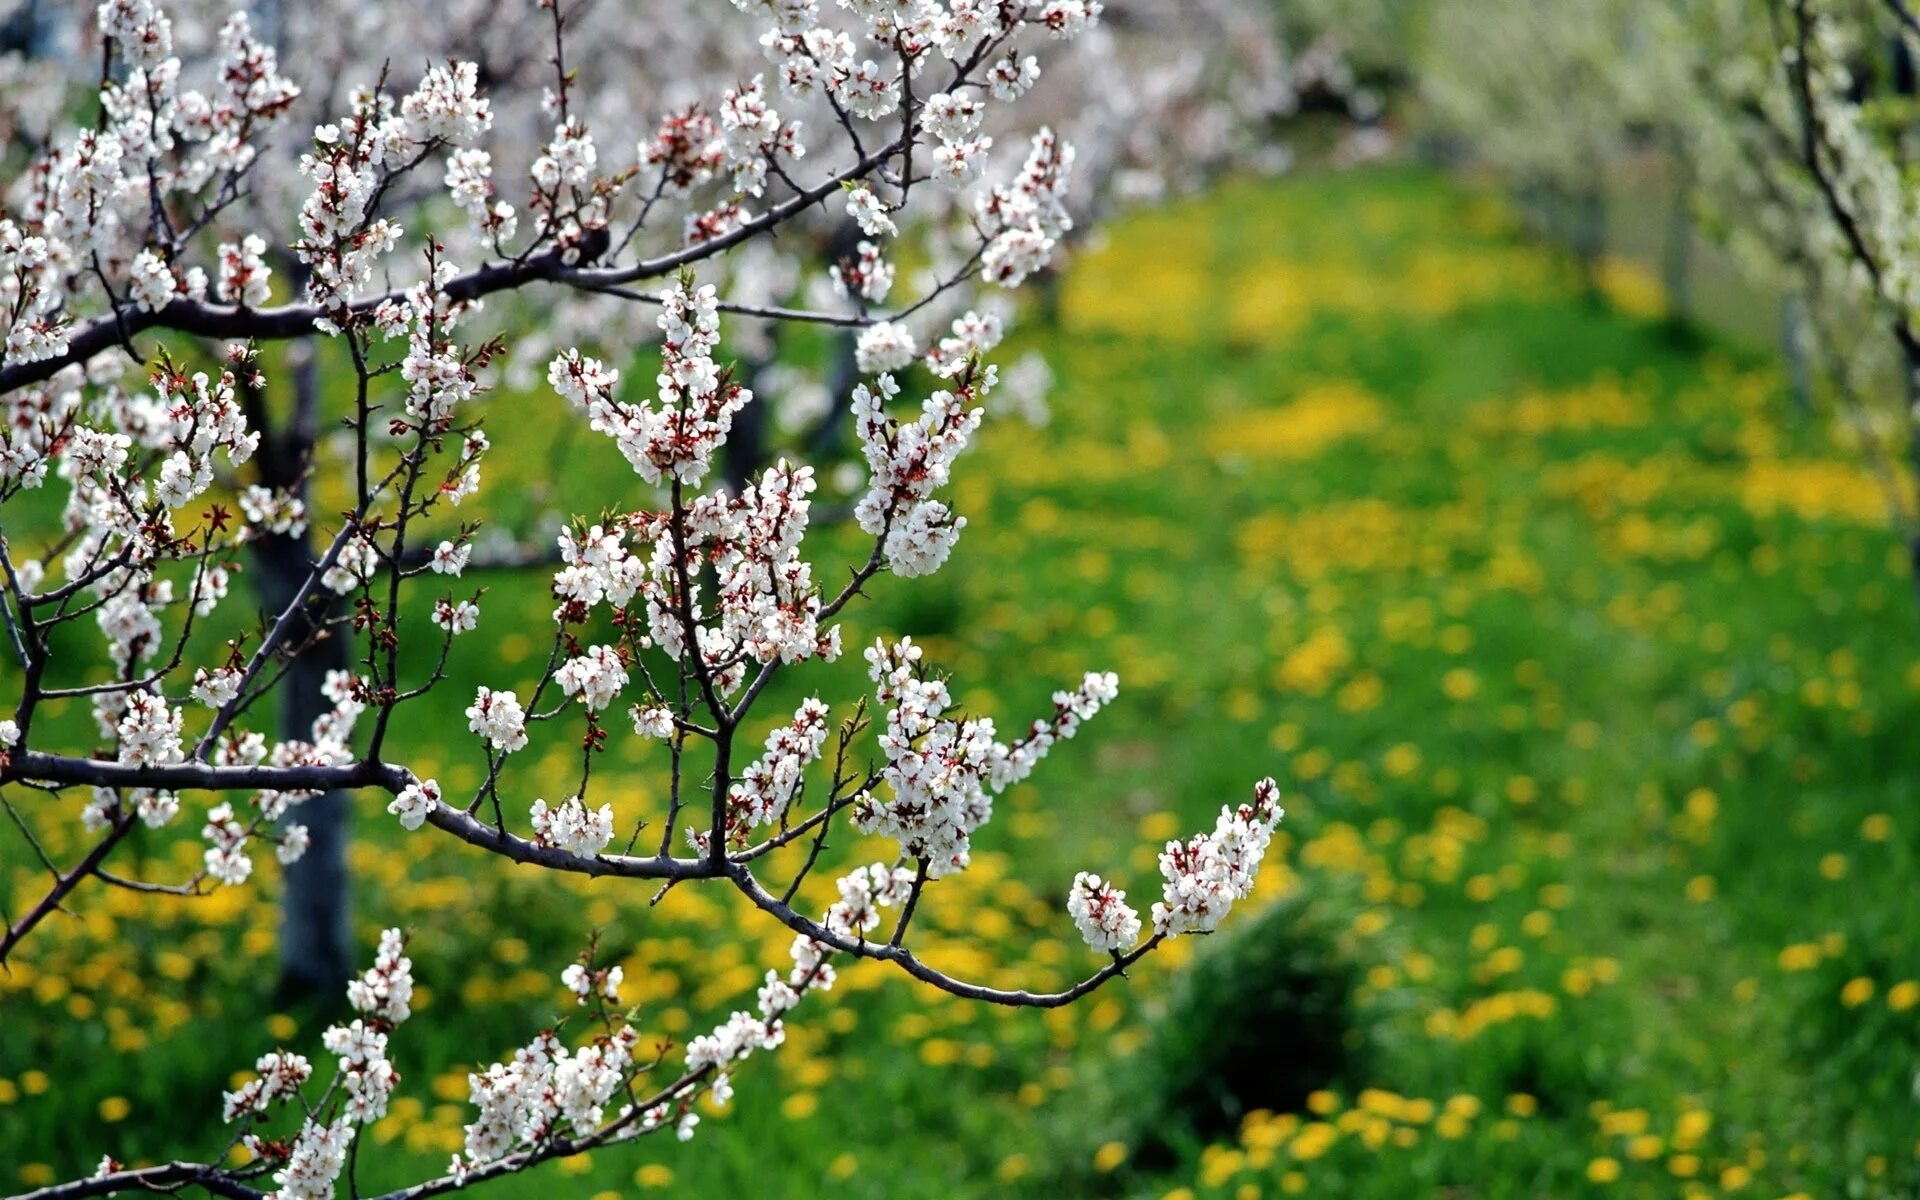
(1793, 347)
(842, 373)
(745, 455)
(1676, 268)
(1046, 297)
(1590, 236)
(315, 936)
(1912, 374)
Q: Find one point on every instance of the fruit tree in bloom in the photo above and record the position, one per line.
(159, 255)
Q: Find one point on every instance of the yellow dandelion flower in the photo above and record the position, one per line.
(1460, 684)
(799, 1106)
(1801, 956)
(654, 1175)
(1691, 1126)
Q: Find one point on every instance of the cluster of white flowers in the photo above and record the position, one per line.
(939, 770)
(456, 616)
(157, 141)
(906, 463)
(438, 377)
(686, 149)
(385, 991)
(1207, 873)
(769, 606)
(27, 266)
(868, 91)
(1099, 910)
(751, 136)
(805, 53)
(869, 213)
(95, 453)
(1029, 216)
(446, 107)
(201, 416)
(339, 244)
(152, 284)
(226, 855)
(973, 334)
(864, 892)
(274, 512)
(364, 1068)
(154, 807)
(469, 180)
(585, 982)
(547, 1089)
(770, 782)
(278, 1077)
(885, 346)
(415, 803)
(573, 826)
(652, 721)
(450, 558)
(595, 676)
(598, 567)
(866, 274)
(318, 1156)
(569, 159)
(341, 254)
(677, 438)
(354, 566)
(954, 118)
(498, 717)
(364, 1080)
(1012, 75)
(243, 273)
(1097, 690)
(149, 730)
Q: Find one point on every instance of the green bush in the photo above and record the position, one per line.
(1263, 1017)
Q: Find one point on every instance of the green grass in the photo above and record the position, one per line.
(1589, 669)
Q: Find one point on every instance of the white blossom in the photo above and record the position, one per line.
(498, 717)
(415, 802)
(1100, 912)
(573, 826)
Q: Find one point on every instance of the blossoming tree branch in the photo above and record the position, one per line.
(142, 242)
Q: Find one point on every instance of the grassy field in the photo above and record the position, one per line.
(1589, 667)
